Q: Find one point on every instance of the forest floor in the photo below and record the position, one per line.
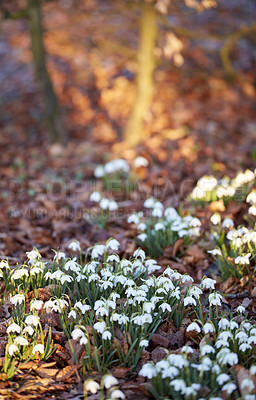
(201, 124)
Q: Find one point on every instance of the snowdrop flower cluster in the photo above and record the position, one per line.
(117, 165)
(111, 293)
(237, 252)
(208, 188)
(25, 276)
(226, 345)
(163, 228)
(23, 336)
(104, 203)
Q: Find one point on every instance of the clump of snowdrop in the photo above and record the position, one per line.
(105, 205)
(163, 227)
(186, 374)
(236, 253)
(209, 189)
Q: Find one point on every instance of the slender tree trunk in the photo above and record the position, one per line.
(56, 130)
(133, 133)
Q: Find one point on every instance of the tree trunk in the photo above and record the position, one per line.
(56, 130)
(133, 133)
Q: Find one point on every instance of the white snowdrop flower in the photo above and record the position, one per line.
(179, 385)
(230, 359)
(91, 386)
(221, 343)
(148, 371)
(29, 330)
(178, 361)
(59, 255)
(99, 171)
(112, 244)
(170, 372)
(182, 233)
(95, 196)
(143, 343)
(33, 254)
(225, 335)
(77, 333)
(253, 331)
(207, 349)
(113, 257)
(98, 250)
(72, 314)
(142, 227)
(140, 254)
(12, 349)
(38, 348)
(165, 307)
(149, 307)
(207, 182)
(252, 210)
(222, 378)
(157, 212)
(214, 252)
(100, 326)
(123, 319)
(215, 218)
(35, 271)
(133, 218)
(104, 204)
(249, 397)
(251, 340)
(4, 264)
(216, 369)
(32, 320)
(229, 387)
(195, 291)
(189, 300)
(243, 260)
(20, 340)
(13, 328)
(140, 162)
(233, 325)
(117, 394)
(109, 381)
(83, 340)
(66, 278)
(149, 203)
(187, 349)
(208, 328)
(194, 327)
(241, 309)
(171, 214)
(162, 365)
(19, 273)
(215, 299)
(59, 304)
(227, 223)
(142, 237)
(187, 278)
(36, 305)
(251, 198)
(159, 226)
(106, 335)
(253, 370)
(246, 325)
(195, 223)
(74, 246)
(113, 206)
(102, 311)
(72, 265)
(244, 347)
